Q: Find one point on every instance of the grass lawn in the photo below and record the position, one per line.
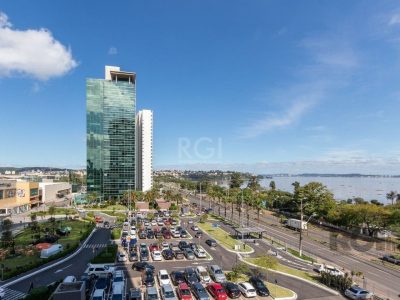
(110, 207)
(58, 211)
(288, 270)
(222, 237)
(31, 259)
(297, 254)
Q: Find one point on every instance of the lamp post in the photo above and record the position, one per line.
(200, 198)
(301, 226)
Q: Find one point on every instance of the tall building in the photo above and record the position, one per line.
(111, 109)
(144, 150)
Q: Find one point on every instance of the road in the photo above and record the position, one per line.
(77, 265)
(379, 279)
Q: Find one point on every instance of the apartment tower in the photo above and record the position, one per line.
(144, 150)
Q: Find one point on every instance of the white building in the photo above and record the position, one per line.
(53, 192)
(144, 150)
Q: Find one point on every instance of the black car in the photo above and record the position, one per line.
(259, 285)
(144, 255)
(198, 234)
(199, 292)
(183, 245)
(148, 278)
(193, 246)
(179, 254)
(168, 254)
(141, 266)
(142, 235)
(231, 289)
(190, 276)
(158, 234)
(177, 277)
(184, 234)
(211, 243)
(150, 234)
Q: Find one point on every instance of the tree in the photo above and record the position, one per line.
(376, 202)
(258, 204)
(237, 270)
(272, 185)
(52, 210)
(203, 218)
(392, 195)
(248, 199)
(236, 180)
(253, 183)
(7, 238)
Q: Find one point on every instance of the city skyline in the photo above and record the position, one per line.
(263, 89)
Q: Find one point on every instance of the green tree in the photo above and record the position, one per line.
(7, 238)
(272, 185)
(253, 184)
(236, 180)
(52, 210)
(317, 199)
(392, 195)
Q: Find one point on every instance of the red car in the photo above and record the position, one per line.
(154, 247)
(217, 291)
(183, 292)
(167, 234)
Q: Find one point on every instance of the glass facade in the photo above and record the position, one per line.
(110, 117)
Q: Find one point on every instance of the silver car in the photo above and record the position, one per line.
(216, 273)
(355, 292)
(167, 292)
(189, 254)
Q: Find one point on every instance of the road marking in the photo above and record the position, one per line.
(13, 294)
(60, 270)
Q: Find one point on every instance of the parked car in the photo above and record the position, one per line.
(141, 266)
(216, 273)
(167, 234)
(183, 245)
(168, 254)
(156, 255)
(183, 292)
(177, 277)
(163, 277)
(247, 289)
(151, 294)
(195, 228)
(202, 274)
(184, 234)
(133, 256)
(68, 279)
(189, 254)
(164, 245)
(392, 259)
(167, 292)
(142, 234)
(144, 255)
(199, 292)
(217, 291)
(122, 257)
(154, 247)
(153, 223)
(150, 234)
(198, 234)
(176, 233)
(148, 278)
(190, 276)
(259, 285)
(179, 254)
(99, 270)
(231, 289)
(211, 242)
(355, 292)
(200, 253)
(135, 294)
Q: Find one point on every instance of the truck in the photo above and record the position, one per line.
(296, 224)
(52, 250)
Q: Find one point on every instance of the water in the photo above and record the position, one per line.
(344, 187)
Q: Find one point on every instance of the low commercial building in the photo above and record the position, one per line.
(69, 291)
(18, 196)
(55, 192)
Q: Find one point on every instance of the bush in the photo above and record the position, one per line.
(340, 283)
(116, 233)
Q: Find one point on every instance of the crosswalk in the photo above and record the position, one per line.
(92, 246)
(13, 294)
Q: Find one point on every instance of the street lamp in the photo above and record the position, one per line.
(200, 198)
(301, 227)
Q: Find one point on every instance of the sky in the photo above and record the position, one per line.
(263, 86)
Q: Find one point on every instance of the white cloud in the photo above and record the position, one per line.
(32, 52)
(112, 51)
(4, 20)
(394, 20)
(273, 121)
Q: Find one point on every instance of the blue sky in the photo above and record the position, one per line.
(265, 86)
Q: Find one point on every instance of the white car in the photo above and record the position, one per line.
(176, 233)
(330, 270)
(165, 246)
(190, 221)
(247, 289)
(160, 223)
(166, 214)
(122, 257)
(202, 274)
(163, 277)
(68, 279)
(200, 253)
(133, 232)
(156, 255)
(154, 223)
(355, 292)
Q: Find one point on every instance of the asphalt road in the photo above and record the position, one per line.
(77, 265)
(378, 279)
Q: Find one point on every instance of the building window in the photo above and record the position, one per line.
(34, 192)
(1, 194)
(10, 193)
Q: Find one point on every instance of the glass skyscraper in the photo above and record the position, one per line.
(110, 113)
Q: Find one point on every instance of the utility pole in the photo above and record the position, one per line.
(200, 198)
(301, 228)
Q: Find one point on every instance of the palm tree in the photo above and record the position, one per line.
(392, 195)
(258, 204)
(248, 199)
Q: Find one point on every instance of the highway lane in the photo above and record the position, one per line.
(74, 266)
(378, 279)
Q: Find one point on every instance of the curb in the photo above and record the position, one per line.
(293, 276)
(229, 250)
(294, 297)
(52, 265)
